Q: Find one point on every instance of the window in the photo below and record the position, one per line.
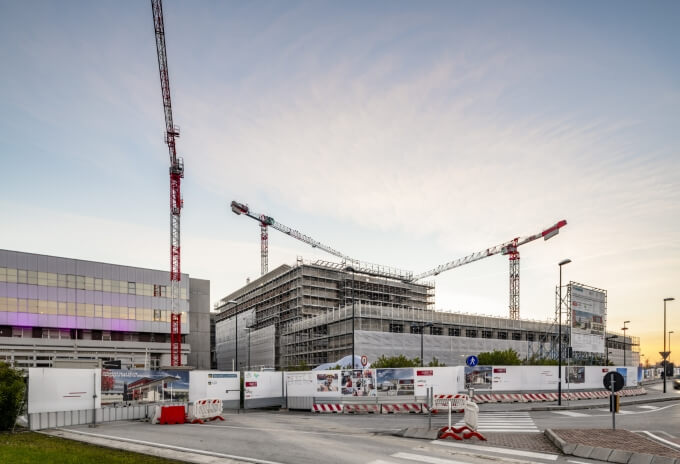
(32, 278)
(436, 330)
(89, 283)
(516, 336)
(487, 333)
(131, 288)
(131, 313)
(397, 328)
(80, 282)
(98, 285)
(157, 315)
(471, 333)
(530, 337)
(21, 277)
(61, 280)
(502, 335)
(415, 329)
(71, 281)
(454, 331)
(98, 312)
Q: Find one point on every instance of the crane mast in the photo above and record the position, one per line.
(176, 175)
(508, 248)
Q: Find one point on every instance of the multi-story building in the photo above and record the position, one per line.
(315, 313)
(64, 308)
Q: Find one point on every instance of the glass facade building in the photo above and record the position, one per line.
(54, 307)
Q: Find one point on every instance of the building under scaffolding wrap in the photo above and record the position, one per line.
(302, 314)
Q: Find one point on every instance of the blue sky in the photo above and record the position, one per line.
(402, 133)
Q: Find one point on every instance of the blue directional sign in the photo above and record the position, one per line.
(472, 361)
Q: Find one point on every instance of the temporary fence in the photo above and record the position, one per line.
(205, 410)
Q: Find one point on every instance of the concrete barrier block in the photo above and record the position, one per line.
(641, 458)
(664, 460)
(583, 451)
(600, 454)
(620, 456)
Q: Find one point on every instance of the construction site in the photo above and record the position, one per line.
(314, 313)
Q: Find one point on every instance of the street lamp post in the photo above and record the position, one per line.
(624, 341)
(559, 342)
(664, 340)
(422, 331)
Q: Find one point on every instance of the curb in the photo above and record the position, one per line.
(606, 454)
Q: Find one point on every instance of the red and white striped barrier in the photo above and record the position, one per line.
(205, 410)
(327, 408)
(362, 408)
(536, 397)
(401, 408)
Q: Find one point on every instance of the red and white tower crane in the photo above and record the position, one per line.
(176, 175)
(508, 248)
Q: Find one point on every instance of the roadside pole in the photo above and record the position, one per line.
(612, 405)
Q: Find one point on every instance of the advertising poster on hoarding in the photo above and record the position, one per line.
(478, 376)
(141, 386)
(327, 382)
(576, 374)
(358, 382)
(624, 372)
(395, 382)
(588, 318)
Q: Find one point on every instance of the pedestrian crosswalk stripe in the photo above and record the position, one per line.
(491, 449)
(570, 413)
(426, 459)
(503, 422)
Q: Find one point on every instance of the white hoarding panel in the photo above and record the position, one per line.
(508, 378)
(588, 318)
(262, 385)
(444, 380)
(52, 390)
(213, 384)
(300, 384)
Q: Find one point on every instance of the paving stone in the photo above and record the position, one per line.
(641, 458)
(583, 451)
(620, 456)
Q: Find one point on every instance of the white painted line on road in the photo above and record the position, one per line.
(380, 461)
(578, 462)
(489, 449)
(271, 429)
(647, 406)
(571, 413)
(662, 440)
(172, 447)
(428, 459)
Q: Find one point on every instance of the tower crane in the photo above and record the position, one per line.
(176, 175)
(508, 248)
(268, 221)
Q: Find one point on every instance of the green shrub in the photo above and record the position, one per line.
(12, 389)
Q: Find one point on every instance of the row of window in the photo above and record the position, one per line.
(456, 332)
(60, 308)
(79, 282)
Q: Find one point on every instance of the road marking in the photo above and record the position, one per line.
(428, 459)
(662, 440)
(578, 462)
(571, 413)
(176, 448)
(271, 429)
(528, 454)
(645, 406)
(504, 422)
(380, 461)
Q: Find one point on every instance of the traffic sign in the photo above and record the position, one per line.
(615, 377)
(472, 361)
(664, 354)
(364, 360)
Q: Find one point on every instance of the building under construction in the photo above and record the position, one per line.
(309, 313)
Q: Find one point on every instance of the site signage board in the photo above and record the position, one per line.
(588, 318)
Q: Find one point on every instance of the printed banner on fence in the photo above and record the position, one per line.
(395, 382)
(358, 382)
(142, 386)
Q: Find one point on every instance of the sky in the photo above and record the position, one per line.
(404, 133)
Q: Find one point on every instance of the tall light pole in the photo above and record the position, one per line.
(624, 341)
(664, 340)
(422, 331)
(350, 268)
(559, 341)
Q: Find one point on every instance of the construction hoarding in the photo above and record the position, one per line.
(588, 318)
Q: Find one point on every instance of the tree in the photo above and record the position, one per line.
(435, 363)
(303, 366)
(535, 360)
(395, 361)
(508, 357)
(12, 389)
